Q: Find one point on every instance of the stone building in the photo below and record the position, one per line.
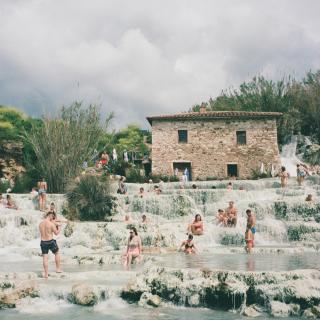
(214, 144)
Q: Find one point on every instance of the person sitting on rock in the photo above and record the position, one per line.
(222, 218)
(229, 186)
(309, 198)
(231, 214)
(188, 246)
(10, 203)
(134, 247)
(196, 227)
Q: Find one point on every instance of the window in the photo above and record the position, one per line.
(241, 137)
(232, 170)
(182, 136)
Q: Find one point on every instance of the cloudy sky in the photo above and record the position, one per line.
(140, 58)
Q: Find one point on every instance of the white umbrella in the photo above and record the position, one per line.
(262, 168)
(114, 155)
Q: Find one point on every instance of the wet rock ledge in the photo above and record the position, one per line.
(250, 293)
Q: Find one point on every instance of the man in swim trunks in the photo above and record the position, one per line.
(251, 222)
(47, 229)
(249, 240)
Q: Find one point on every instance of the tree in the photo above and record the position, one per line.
(64, 142)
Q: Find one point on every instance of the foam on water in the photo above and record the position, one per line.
(43, 305)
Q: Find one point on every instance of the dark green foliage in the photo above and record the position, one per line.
(299, 101)
(281, 210)
(24, 183)
(62, 143)
(4, 186)
(134, 175)
(89, 199)
(256, 174)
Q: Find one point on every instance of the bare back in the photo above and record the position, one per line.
(47, 230)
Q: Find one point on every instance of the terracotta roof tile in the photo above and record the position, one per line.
(215, 115)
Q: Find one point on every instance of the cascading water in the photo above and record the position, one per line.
(92, 251)
(289, 158)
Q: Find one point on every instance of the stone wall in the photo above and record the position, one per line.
(212, 144)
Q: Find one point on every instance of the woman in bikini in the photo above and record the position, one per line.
(42, 187)
(134, 247)
(188, 246)
(284, 176)
(196, 227)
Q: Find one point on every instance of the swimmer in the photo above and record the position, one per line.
(141, 192)
(229, 186)
(144, 219)
(47, 229)
(134, 247)
(188, 246)
(196, 227)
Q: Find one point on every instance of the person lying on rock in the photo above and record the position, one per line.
(188, 246)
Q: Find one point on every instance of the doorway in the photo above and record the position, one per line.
(232, 170)
(179, 169)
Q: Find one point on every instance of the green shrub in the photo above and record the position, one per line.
(89, 199)
(4, 186)
(134, 175)
(23, 184)
(256, 174)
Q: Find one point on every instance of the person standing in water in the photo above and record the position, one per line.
(284, 175)
(300, 174)
(251, 222)
(42, 190)
(134, 247)
(47, 229)
(249, 240)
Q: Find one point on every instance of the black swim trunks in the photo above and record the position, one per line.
(49, 245)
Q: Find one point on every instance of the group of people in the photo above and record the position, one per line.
(302, 172)
(228, 217)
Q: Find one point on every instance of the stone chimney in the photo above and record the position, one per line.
(203, 108)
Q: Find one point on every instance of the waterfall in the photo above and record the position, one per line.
(288, 156)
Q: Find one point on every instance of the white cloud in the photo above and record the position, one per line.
(140, 58)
